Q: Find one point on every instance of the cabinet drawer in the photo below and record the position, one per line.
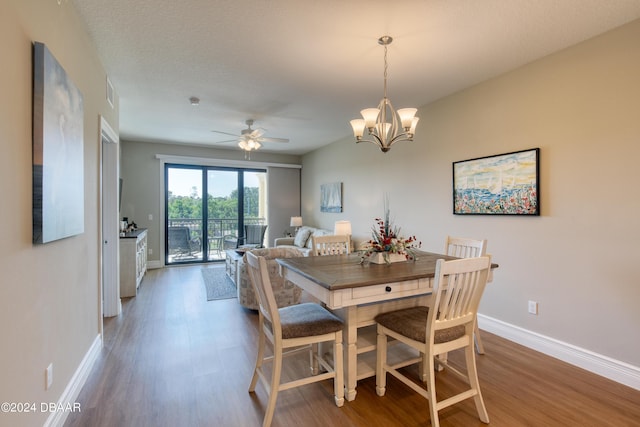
(398, 289)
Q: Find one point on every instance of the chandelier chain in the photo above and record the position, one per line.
(385, 71)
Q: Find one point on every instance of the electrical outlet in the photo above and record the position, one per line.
(150, 217)
(48, 376)
(533, 307)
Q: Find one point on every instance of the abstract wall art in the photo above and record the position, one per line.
(331, 197)
(58, 159)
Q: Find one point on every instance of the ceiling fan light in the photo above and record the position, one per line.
(249, 144)
(251, 139)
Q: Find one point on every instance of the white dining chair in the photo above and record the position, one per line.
(446, 324)
(463, 247)
(330, 245)
(299, 327)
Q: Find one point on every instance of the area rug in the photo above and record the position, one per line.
(218, 284)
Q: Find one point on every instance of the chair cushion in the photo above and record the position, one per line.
(302, 236)
(308, 319)
(412, 323)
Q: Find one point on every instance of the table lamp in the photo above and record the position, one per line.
(296, 221)
(342, 228)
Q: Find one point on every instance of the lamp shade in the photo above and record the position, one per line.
(358, 127)
(296, 221)
(342, 228)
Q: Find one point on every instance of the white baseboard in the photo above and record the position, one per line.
(154, 264)
(71, 392)
(607, 367)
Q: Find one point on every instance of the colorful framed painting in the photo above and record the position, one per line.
(505, 184)
(58, 159)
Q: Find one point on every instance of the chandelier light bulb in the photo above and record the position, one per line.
(358, 127)
(406, 117)
(370, 116)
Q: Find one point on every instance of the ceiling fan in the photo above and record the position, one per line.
(249, 139)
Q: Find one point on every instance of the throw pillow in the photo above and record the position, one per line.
(318, 232)
(302, 236)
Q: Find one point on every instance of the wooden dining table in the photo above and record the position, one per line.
(357, 293)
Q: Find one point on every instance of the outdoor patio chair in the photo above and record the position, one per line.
(181, 245)
(253, 237)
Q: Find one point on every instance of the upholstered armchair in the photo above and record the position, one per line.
(286, 293)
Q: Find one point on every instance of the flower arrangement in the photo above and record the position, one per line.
(386, 239)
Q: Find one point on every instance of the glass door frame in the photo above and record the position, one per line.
(204, 169)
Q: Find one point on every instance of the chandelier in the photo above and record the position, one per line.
(381, 132)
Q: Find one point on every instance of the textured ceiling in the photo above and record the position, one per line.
(303, 69)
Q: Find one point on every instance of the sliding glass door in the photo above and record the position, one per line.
(200, 229)
(184, 214)
(222, 210)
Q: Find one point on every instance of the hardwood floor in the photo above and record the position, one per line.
(174, 359)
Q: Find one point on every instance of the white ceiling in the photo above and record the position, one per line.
(303, 69)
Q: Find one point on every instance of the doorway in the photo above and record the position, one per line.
(199, 229)
(110, 279)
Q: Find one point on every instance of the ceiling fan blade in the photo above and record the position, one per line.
(249, 135)
(267, 139)
(226, 133)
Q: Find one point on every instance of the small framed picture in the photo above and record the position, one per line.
(504, 184)
(331, 197)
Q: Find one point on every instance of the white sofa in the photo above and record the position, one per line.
(302, 240)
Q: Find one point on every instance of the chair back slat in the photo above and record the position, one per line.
(259, 276)
(457, 290)
(330, 245)
(463, 247)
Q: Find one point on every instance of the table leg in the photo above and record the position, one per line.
(349, 316)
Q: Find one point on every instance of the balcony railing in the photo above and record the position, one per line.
(218, 230)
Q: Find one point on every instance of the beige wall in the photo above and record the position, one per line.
(49, 294)
(141, 173)
(580, 259)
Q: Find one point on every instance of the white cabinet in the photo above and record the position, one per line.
(133, 261)
(231, 264)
